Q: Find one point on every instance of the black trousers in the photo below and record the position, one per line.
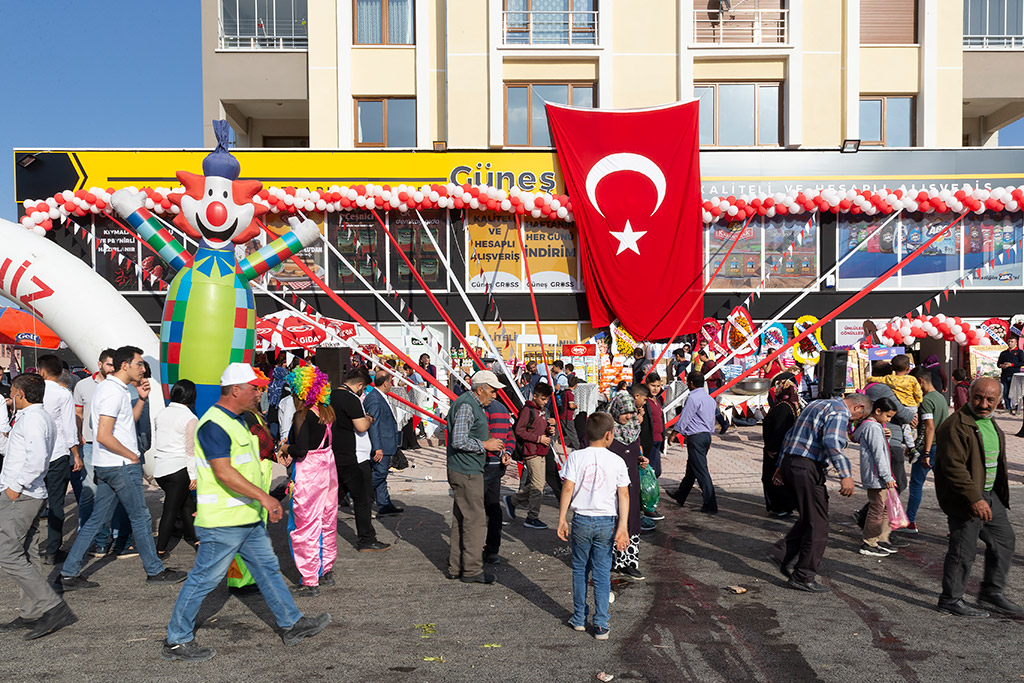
(776, 498)
(806, 541)
(355, 480)
(492, 507)
(178, 504)
(58, 476)
(697, 447)
(999, 540)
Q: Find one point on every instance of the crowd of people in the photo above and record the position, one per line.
(338, 444)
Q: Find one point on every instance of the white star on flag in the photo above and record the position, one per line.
(628, 239)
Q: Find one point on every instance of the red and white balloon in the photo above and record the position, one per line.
(904, 331)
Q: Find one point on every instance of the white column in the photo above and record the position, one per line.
(495, 82)
(684, 58)
(851, 70)
(423, 103)
(927, 101)
(346, 123)
(793, 90)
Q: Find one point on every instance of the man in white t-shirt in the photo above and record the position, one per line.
(118, 472)
(64, 459)
(596, 487)
(86, 484)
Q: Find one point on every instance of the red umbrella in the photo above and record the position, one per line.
(286, 330)
(19, 328)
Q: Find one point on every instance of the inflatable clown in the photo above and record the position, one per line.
(209, 316)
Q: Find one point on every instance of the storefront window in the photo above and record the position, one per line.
(987, 237)
(875, 249)
(494, 261)
(765, 241)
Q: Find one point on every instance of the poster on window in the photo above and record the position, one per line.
(408, 232)
(873, 240)
(492, 254)
(288, 274)
(794, 268)
(988, 237)
(742, 269)
(552, 255)
(360, 241)
(938, 266)
(114, 246)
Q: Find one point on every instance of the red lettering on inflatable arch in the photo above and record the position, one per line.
(44, 289)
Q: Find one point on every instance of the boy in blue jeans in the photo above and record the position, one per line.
(595, 479)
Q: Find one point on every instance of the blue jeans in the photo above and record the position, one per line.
(379, 481)
(592, 539)
(655, 457)
(217, 547)
(87, 497)
(117, 484)
(918, 474)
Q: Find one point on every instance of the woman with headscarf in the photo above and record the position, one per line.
(938, 376)
(779, 420)
(627, 446)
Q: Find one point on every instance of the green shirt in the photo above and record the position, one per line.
(990, 441)
(935, 408)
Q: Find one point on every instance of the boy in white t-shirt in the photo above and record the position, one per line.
(595, 479)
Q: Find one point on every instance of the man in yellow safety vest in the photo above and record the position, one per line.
(230, 503)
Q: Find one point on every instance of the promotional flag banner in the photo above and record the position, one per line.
(634, 181)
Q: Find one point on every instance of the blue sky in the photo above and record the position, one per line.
(79, 73)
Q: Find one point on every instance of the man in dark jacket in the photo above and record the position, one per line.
(533, 432)
(973, 490)
(384, 438)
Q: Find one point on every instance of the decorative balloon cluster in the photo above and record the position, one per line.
(938, 326)
(868, 202)
(542, 205)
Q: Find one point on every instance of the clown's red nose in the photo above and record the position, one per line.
(216, 214)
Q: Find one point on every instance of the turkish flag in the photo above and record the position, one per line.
(634, 181)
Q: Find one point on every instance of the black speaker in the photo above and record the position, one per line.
(335, 362)
(832, 378)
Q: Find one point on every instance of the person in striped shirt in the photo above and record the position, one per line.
(500, 424)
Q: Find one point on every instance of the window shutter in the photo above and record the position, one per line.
(888, 22)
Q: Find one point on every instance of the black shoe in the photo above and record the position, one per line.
(76, 583)
(482, 577)
(509, 507)
(873, 551)
(534, 524)
(679, 501)
(343, 503)
(18, 624)
(186, 652)
(167, 576)
(723, 427)
(647, 524)
(373, 546)
(492, 558)
(812, 587)
(961, 609)
(306, 627)
(55, 558)
(327, 579)
(123, 553)
(452, 577)
(996, 602)
(632, 573)
(304, 591)
(785, 569)
(894, 544)
(782, 515)
(709, 510)
(53, 619)
(859, 517)
(390, 510)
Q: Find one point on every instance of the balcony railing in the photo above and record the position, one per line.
(549, 28)
(741, 27)
(994, 42)
(263, 35)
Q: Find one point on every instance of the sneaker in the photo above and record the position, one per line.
(186, 652)
(600, 633)
(482, 577)
(18, 624)
(306, 627)
(76, 583)
(577, 628)
(122, 553)
(873, 551)
(52, 620)
(909, 529)
(509, 507)
(492, 558)
(888, 547)
(373, 546)
(632, 573)
(327, 579)
(647, 524)
(99, 550)
(167, 576)
(304, 591)
(894, 543)
(654, 514)
(534, 524)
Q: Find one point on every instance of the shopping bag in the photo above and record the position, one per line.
(649, 494)
(897, 515)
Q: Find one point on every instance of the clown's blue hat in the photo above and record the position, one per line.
(220, 162)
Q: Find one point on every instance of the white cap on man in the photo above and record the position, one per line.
(487, 377)
(242, 373)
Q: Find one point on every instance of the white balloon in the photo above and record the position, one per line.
(960, 338)
(956, 329)
(563, 212)
(506, 204)
(39, 230)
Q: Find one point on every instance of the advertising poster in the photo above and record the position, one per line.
(988, 236)
(112, 240)
(874, 255)
(493, 239)
(856, 332)
(791, 269)
(408, 232)
(742, 270)
(288, 274)
(984, 361)
(360, 240)
(553, 257)
(939, 265)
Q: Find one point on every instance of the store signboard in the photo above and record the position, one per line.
(576, 350)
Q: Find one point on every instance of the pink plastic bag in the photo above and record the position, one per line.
(897, 515)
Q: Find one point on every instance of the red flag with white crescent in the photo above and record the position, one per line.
(634, 181)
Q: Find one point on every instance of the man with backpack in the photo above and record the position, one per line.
(533, 443)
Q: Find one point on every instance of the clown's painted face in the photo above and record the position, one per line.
(216, 215)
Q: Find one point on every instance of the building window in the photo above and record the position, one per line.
(386, 122)
(994, 23)
(887, 121)
(888, 22)
(550, 22)
(526, 120)
(263, 25)
(740, 114)
(735, 22)
(383, 22)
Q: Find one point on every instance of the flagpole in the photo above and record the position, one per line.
(472, 311)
